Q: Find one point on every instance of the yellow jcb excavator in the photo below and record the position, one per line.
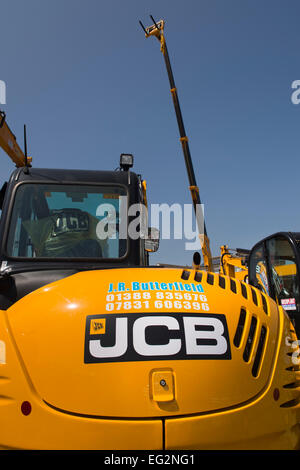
(101, 350)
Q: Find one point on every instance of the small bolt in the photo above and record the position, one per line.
(163, 383)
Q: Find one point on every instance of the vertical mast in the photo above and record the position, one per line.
(157, 30)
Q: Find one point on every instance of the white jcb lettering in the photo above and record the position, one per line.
(216, 334)
(145, 349)
(121, 342)
(186, 337)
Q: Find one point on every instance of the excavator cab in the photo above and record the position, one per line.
(55, 223)
(274, 267)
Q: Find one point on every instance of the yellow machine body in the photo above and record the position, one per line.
(145, 357)
(79, 368)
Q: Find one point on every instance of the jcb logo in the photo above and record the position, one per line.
(97, 327)
(131, 337)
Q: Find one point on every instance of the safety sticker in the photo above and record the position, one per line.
(288, 304)
(135, 337)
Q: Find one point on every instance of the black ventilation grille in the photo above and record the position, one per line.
(254, 296)
(259, 351)
(250, 339)
(240, 328)
(233, 285)
(210, 278)
(264, 303)
(295, 384)
(185, 275)
(291, 403)
(198, 276)
(244, 291)
(222, 282)
(293, 368)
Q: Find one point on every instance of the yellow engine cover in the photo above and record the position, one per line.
(147, 358)
(95, 343)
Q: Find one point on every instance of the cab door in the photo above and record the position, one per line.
(274, 267)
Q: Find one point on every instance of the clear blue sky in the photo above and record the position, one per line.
(89, 86)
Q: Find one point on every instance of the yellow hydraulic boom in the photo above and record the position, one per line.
(9, 144)
(157, 30)
(233, 262)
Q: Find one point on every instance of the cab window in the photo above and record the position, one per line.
(283, 271)
(258, 269)
(67, 221)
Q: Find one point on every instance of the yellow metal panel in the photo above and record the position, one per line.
(51, 338)
(213, 403)
(49, 428)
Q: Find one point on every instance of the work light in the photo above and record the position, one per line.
(126, 161)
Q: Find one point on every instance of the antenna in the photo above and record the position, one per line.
(25, 151)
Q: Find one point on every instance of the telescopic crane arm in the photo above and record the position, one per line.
(9, 144)
(157, 30)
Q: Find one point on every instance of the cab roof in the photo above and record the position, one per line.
(69, 176)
